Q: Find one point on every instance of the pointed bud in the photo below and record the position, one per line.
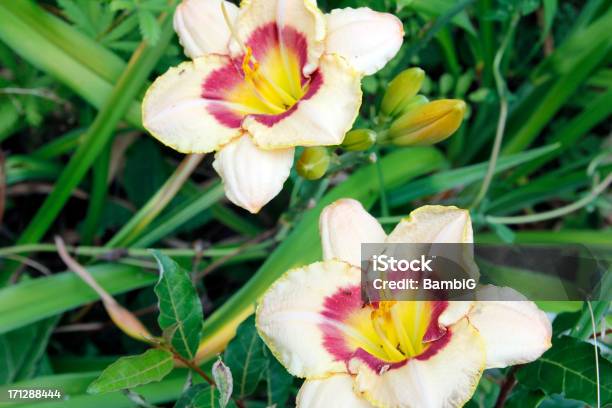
(359, 140)
(401, 89)
(411, 103)
(313, 163)
(427, 124)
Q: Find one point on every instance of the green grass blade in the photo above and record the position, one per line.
(235, 222)
(98, 135)
(566, 236)
(36, 299)
(446, 180)
(72, 41)
(48, 57)
(597, 111)
(139, 222)
(98, 195)
(552, 185)
(181, 216)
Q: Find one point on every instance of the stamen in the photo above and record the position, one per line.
(260, 83)
(390, 348)
(405, 342)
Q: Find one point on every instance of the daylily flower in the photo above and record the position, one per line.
(390, 354)
(265, 78)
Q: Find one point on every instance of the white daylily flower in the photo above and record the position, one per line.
(279, 72)
(392, 354)
(253, 176)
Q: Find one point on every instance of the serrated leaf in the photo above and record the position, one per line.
(224, 381)
(76, 14)
(179, 306)
(568, 368)
(246, 357)
(122, 29)
(201, 396)
(130, 372)
(149, 27)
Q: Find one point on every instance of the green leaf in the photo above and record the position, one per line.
(145, 171)
(278, 382)
(23, 350)
(446, 180)
(75, 14)
(524, 398)
(149, 27)
(568, 368)
(130, 372)
(180, 310)
(246, 357)
(200, 396)
(36, 299)
(224, 381)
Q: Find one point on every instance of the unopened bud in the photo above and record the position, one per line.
(359, 140)
(427, 124)
(313, 163)
(411, 103)
(402, 88)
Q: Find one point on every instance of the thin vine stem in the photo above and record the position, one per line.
(559, 212)
(503, 112)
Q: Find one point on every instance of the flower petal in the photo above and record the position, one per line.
(447, 378)
(335, 391)
(175, 111)
(515, 332)
(366, 38)
(321, 118)
(251, 176)
(202, 28)
(289, 317)
(344, 225)
(300, 16)
(434, 224)
(455, 311)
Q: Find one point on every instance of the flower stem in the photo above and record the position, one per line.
(503, 112)
(506, 387)
(191, 365)
(559, 212)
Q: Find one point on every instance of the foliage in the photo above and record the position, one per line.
(129, 372)
(75, 162)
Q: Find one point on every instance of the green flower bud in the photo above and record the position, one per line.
(427, 124)
(359, 139)
(409, 104)
(401, 89)
(313, 163)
